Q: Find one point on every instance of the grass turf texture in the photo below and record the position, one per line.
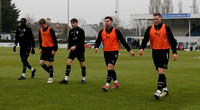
(136, 75)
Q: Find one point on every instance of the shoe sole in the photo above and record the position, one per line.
(104, 89)
(165, 95)
(157, 97)
(63, 83)
(82, 82)
(115, 87)
(49, 82)
(21, 79)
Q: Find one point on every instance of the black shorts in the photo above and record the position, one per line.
(160, 58)
(79, 55)
(24, 52)
(111, 57)
(47, 54)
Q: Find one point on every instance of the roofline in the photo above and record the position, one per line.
(150, 16)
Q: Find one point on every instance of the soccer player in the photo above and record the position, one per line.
(76, 50)
(110, 37)
(161, 38)
(48, 48)
(25, 38)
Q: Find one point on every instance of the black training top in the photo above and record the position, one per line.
(170, 36)
(53, 35)
(77, 38)
(24, 37)
(119, 37)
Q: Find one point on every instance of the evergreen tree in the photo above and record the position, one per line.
(10, 14)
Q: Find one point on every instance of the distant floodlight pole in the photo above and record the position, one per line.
(0, 18)
(68, 18)
(117, 13)
(192, 7)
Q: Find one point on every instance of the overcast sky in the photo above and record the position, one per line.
(90, 10)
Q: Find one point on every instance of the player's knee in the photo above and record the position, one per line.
(41, 63)
(161, 71)
(24, 60)
(110, 67)
(82, 64)
(69, 62)
(49, 63)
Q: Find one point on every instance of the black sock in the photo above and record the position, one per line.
(24, 69)
(165, 83)
(83, 71)
(161, 81)
(68, 69)
(46, 68)
(114, 75)
(109, 76)
(51, 71)
(29, 66)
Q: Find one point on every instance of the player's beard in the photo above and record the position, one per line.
(108, 26)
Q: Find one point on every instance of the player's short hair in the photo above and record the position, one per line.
(109, 17)
(157, 14)
(42, 21)
(74, 20)
(23, 20)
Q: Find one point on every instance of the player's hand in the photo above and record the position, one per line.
(33, 51)
(40, 50)
(96, 49)
(141, 52)
(175, 57)
(132, 53)
(53, 52)
(14, 49)
(73, 48)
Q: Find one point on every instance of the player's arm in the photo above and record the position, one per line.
(98, 41)
(172, 42)
(123, 41)
(16, 40)
(69, 40)
(171, 39)
(32, 41)
(145, 41)
(40, 41)
(53, 35)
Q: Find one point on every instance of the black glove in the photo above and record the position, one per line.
(33, 51)
(14, 49)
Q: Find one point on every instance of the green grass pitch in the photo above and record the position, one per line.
(136, 75)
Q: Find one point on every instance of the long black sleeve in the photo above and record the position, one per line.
(122, 40)
(16, 37)
(171, 39)
(69, 41)
(40, 40)
(146, 38)
(53, 35)
(98, 40)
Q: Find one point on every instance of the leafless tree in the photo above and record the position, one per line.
(30, 19)
(81, 21)
(138, 26)
(162, 6)
(195, 7)
(154, 6)
(180, 7)
(167, 6)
